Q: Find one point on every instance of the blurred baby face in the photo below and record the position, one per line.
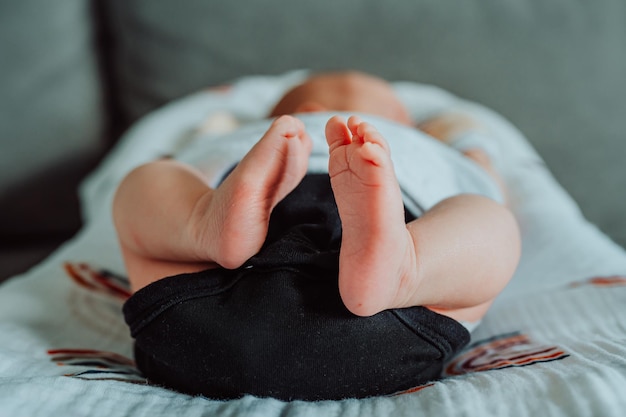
(344, 91)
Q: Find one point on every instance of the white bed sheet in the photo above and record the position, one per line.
(554, 343)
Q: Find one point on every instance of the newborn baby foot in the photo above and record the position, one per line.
(377, 257)
(238, 211)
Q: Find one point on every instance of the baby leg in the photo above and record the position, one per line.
(168, 219)
(456, 257)
(377, 253)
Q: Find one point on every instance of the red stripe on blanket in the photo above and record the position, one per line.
(506, 351)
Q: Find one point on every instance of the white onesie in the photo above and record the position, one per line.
(427, 170)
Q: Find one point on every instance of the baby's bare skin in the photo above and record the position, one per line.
(377, 252)
(385, 263)
(454, 259)
(238, 211)
(198, 227)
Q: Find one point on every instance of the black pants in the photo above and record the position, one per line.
(276, 327)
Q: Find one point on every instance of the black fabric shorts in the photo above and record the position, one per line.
(276, 327)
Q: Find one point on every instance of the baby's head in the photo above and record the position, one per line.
(344, 91)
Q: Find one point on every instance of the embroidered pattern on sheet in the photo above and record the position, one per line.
(98, 280)
(97, 297)
(96, 302)
(610, 281)
(414, 390)
(498, 352)
(96, 365)
(503, 351)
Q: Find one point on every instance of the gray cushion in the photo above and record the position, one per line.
(554, 69)
(50, 104)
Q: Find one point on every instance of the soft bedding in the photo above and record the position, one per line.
(553, 344)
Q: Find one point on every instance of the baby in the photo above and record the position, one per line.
(450, 263)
